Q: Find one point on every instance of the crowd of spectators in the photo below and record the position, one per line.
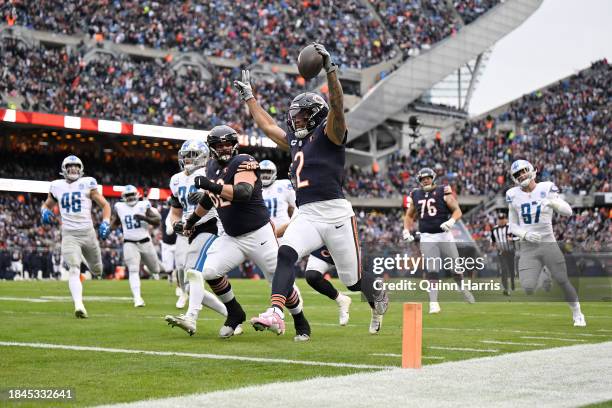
(564, 130)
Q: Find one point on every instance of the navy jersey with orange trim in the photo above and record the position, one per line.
(317, 165)
(323, 254)
(431, 209)
(238, 218)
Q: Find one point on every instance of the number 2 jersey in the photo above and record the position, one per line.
(133, 229)
(431, 209)
(238, 218)
(181, 185)
(74, 200)
(279, 196)
(530, 214)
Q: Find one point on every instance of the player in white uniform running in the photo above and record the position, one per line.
(74, 195)
(134, 216)
(530, 210)
(191, 250)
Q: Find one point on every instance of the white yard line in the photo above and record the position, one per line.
(463, 349)
(24, 299)
(552, 338)
(193, 355)
(504, 381)
(399, 355)
(511, 343)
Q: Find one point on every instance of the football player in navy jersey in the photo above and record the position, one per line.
(233, 186)
(316, 138)
(437, 211)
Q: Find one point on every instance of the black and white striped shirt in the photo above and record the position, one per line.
(503, 239)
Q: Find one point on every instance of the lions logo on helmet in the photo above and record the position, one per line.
(306, 112)
(423, 173)
(130, 195)
(522, 173)
(268, 172)
(72, 168)
(223, 143)
(193, 155)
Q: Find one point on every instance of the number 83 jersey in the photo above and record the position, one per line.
(74, 201)
(133, 228)
(532, 216)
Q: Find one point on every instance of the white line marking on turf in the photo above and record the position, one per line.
(550, 338)
(463, 349)
(24, 299)
(399, 355)
(511, 343)
(504, 381)
(516, 331)
(195, 355)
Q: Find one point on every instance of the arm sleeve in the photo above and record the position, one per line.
(558, 204)
(513, 223)
(175, 203)
(242, 192)
(206, 202)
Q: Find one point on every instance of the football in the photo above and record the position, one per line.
(309, 62)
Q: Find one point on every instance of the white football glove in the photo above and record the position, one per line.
(408, 237)
(532, 237)
(447, 225)
(244, 87)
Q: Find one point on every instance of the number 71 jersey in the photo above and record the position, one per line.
(74, 201)
(528, 206)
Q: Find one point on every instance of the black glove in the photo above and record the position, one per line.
(178, 227)
(204, 183)
(194, 197)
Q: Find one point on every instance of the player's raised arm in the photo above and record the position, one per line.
(558, 205)
(264, 121)
(335, 129)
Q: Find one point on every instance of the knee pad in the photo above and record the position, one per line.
(193, 275)
(287, 256)
(356, 287)
(312, 276)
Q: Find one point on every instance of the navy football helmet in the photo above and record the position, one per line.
(306, 112)
(223, 135)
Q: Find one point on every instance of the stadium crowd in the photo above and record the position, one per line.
(269, 31)
(564, 130)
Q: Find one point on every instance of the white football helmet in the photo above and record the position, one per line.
(520, 168)
(70, 170)
(130, 195)
(268, 172)
(193, 155)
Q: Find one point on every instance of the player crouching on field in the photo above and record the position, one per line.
(530, 211)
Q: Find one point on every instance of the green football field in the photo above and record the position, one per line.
(123, 354)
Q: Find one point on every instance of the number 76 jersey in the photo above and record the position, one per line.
(74, 201)
(531, 214)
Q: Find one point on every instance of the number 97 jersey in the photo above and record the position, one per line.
(74, 201)
(532, 216)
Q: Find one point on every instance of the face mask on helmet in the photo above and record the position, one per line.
(223, 143)
(267, 171)
(426, 179)
(306, 112)
(303, 121)
(193, 156)
(72, 168)
(130, 198)
(523, 173)
(224, 151)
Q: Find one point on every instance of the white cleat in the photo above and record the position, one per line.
(139, 302)
(375, 323)
(344, 303)
(301, 338)
(579, 320)
(80, 313)
(182, 300)
(434, 308)
(183, 321)
(468, 297)
(381, 302)
(239, 330)
(226, 331)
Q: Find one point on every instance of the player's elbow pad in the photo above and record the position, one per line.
(242, 192)
(206, 202)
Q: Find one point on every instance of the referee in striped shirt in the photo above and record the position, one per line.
(504, 242)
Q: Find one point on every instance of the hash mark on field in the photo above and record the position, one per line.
(549, 338)
(195, 355)
(399, 355)
(511, 343)
(463, 349)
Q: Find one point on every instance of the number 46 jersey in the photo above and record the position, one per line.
(74, 201)
(532, 216)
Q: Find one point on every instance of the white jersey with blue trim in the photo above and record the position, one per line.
(181, 185)
(74, 201)
(133, 229)
(279, 196)
(532, 217)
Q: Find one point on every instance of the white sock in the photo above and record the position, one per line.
(135, 283)
(76, 287)
(575, 306)
(433, 295)
(196, 292)
(212, 302)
